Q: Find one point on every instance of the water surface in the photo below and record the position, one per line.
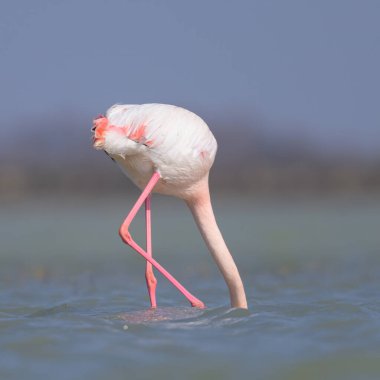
(73, 302)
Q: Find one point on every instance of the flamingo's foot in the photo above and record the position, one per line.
(198, 304)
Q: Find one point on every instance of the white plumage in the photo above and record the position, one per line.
(164, 138)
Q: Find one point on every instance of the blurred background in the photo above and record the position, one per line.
(291, 91)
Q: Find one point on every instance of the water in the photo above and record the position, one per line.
(74, 304)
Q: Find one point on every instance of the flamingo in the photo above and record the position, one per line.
(169, 150)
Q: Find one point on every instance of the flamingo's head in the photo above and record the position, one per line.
(113, 139)
(99, 128)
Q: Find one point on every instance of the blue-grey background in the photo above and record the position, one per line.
(308, 68)
(291, 91)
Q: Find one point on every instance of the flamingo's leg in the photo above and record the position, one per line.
(151, 281)
(127, 239)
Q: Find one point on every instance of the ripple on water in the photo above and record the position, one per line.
(185, 317)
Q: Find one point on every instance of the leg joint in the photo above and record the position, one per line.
(151, 280)
(125, 235)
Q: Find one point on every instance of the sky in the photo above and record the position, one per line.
(309, 69)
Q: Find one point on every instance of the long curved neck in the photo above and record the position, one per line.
(202, 211)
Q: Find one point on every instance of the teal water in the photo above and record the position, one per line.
(73, 303)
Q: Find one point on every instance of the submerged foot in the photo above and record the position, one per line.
(198, 303)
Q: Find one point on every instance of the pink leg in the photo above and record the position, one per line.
(126, 237)
(151, 281)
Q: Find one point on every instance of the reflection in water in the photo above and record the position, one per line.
(160, 314)
(187, 317)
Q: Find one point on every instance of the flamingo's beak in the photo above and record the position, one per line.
(98, 143)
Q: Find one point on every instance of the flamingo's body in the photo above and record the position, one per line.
(170, 150)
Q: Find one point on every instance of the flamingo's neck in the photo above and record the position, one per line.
(202, 211)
